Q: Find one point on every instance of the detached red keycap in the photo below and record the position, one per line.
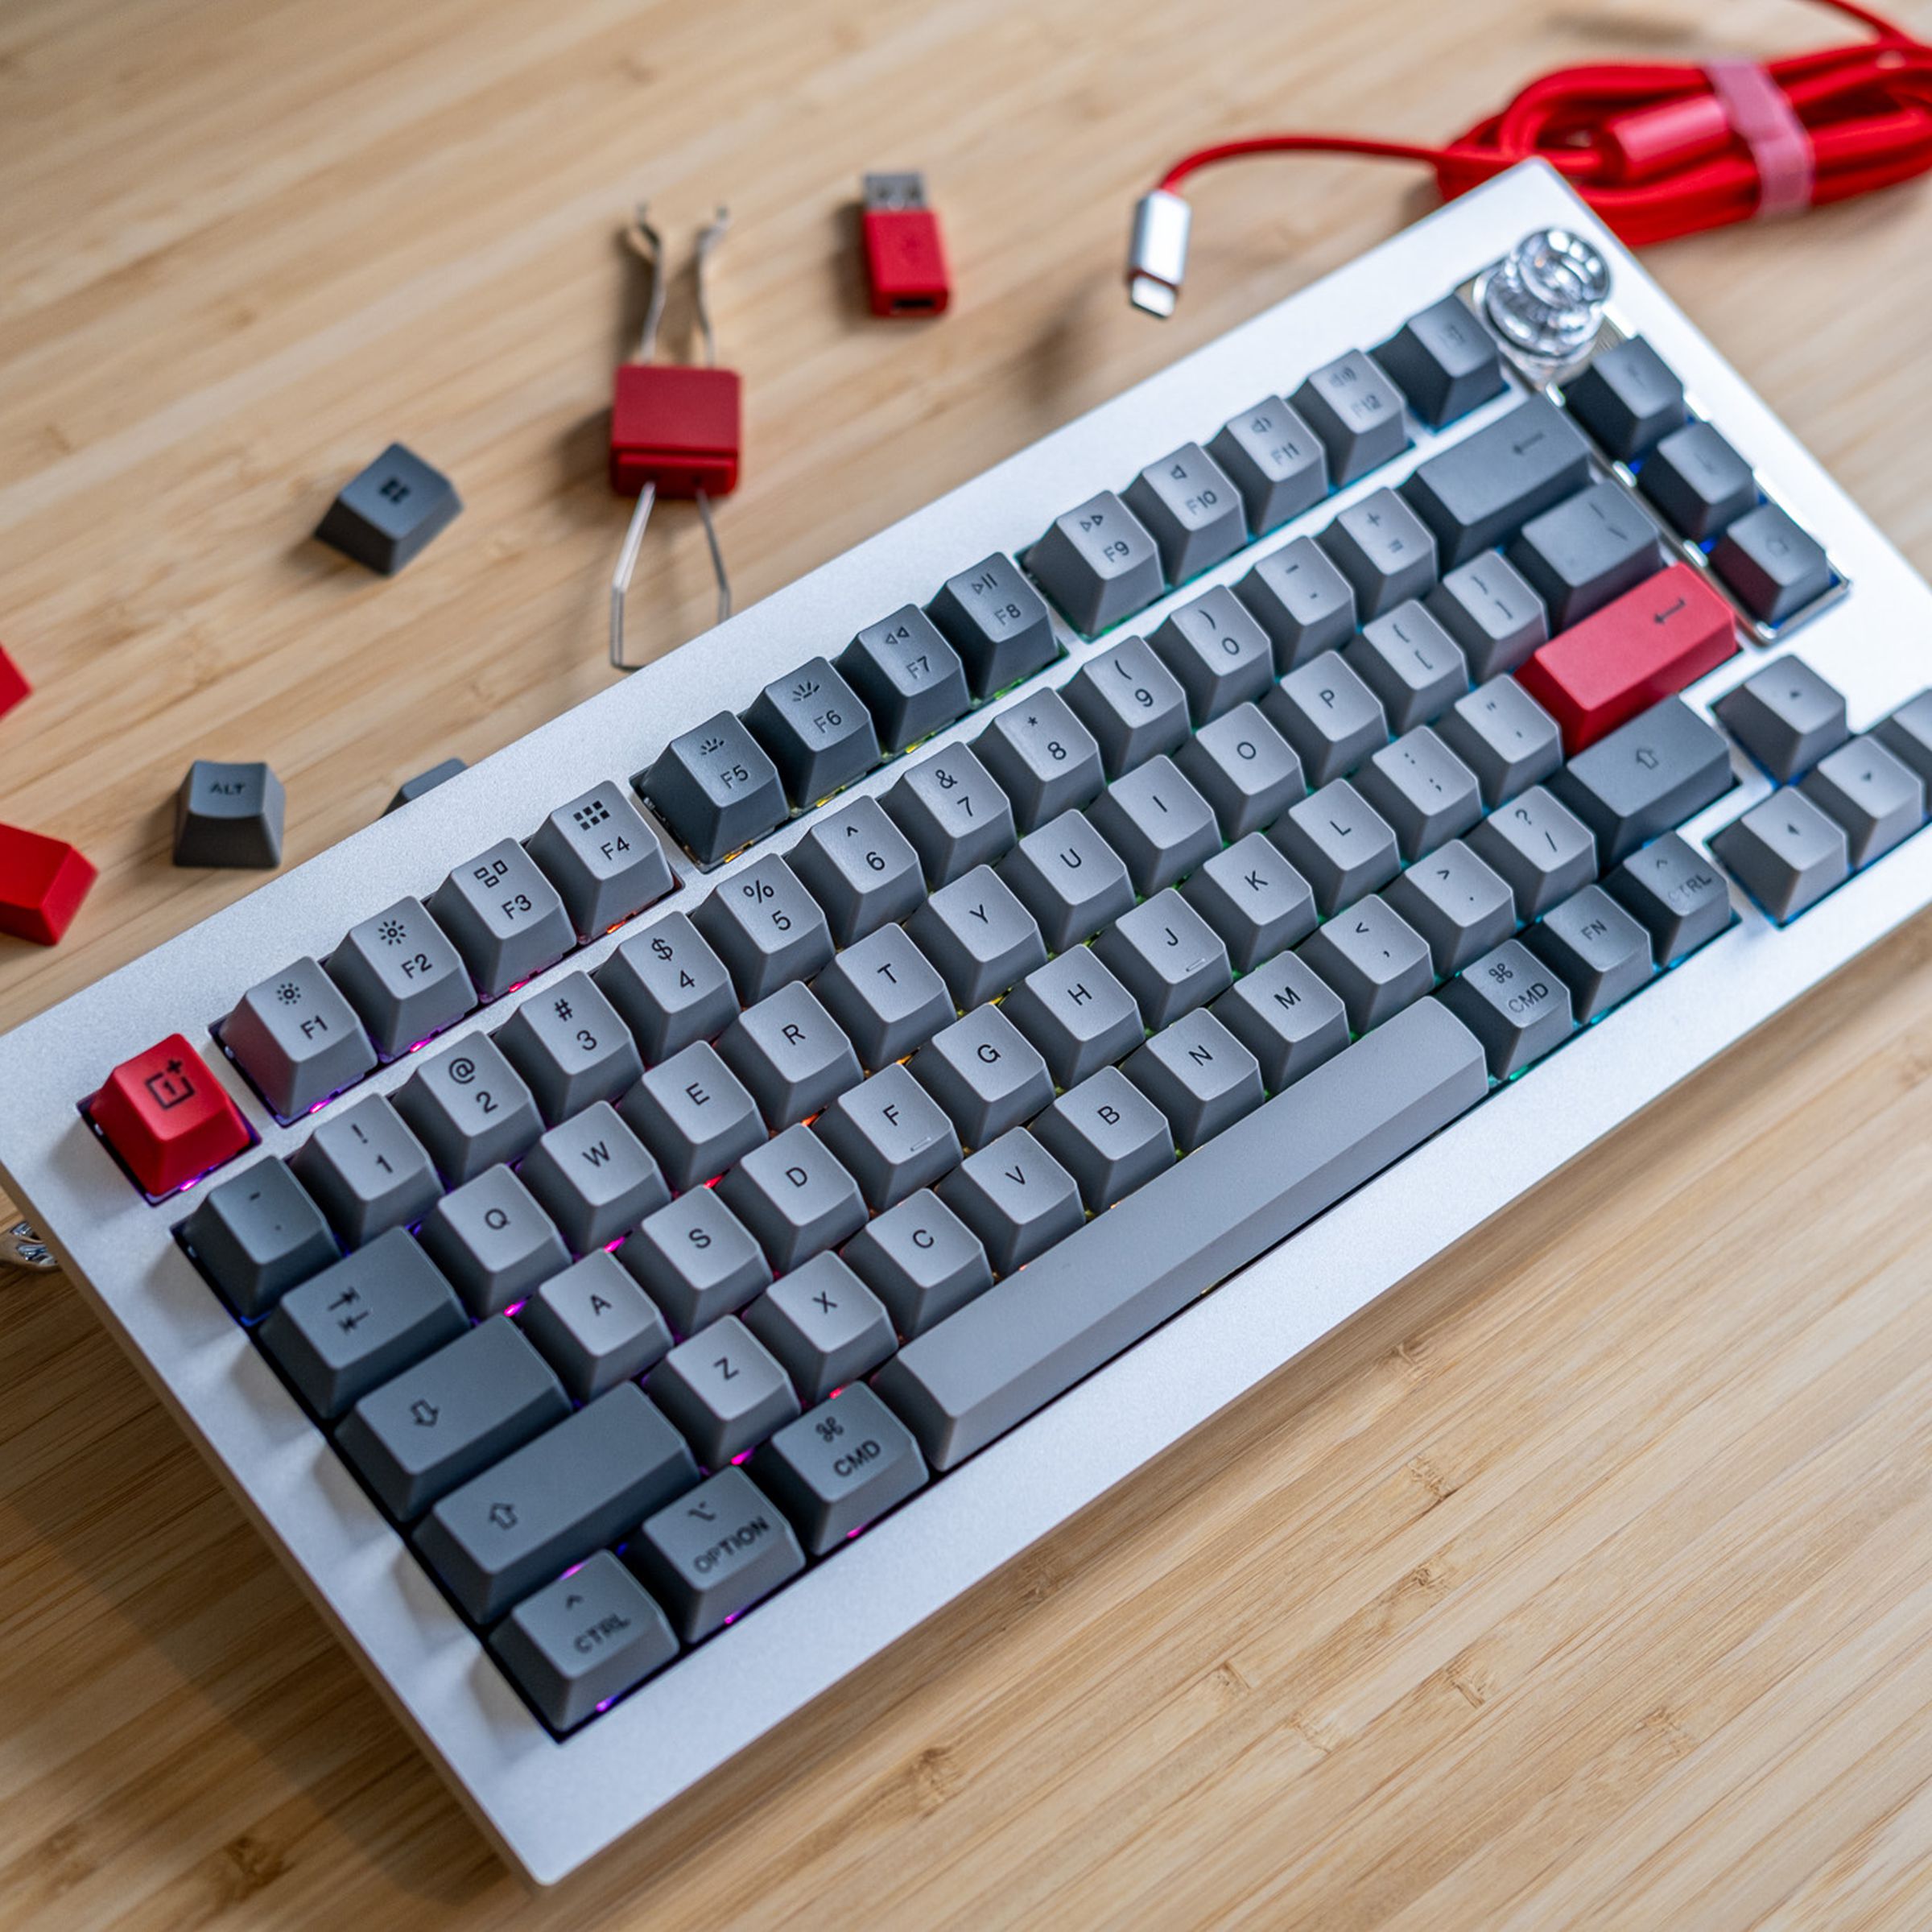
(1634, 653)
(42, 884)
(167, 1116)
(14, 686)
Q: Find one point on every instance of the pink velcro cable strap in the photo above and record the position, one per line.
(1767, 124)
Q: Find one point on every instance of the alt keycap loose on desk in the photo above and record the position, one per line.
(229, 815)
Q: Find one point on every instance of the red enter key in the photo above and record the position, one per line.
(1646, 646)
(168, 1117)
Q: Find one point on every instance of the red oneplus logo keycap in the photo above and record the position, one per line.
(168, 1117)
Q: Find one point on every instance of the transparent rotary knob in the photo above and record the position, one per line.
(1548, 297)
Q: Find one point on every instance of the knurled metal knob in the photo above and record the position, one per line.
(1547, 297)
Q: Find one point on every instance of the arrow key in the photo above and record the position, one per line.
(1787, 853)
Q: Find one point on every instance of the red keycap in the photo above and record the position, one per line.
(14, 686)
(167, 1116)
(42, 884)
(1634, 653)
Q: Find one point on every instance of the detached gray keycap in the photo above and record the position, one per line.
(921, 1260)
(910, 679)
(955, 816)
(1376, 961)
(1495, 618)
(357, 1323)
(1445, 360)
(1199, 1075)
(1044, 757)
(257, 1235)
(1505, 736)
(1586, 551)
(1027, 1340)
(840, 1467)
(594, 1178)
(1109, 1135)
(887, 996)
(1159, 825)
(1461, 907)
(604, 861)
(1098, 564)
(403, 975)
(790, 1055)
(1078, 1015)
(296, 1038)
(1339, 844)
(1254, 899)
(890, 1135)
(724, 1391)
(815, 730)
(1644, 777)
(714, 787)
(994, 619)
(1287, 1017)
(1627, 399)
(1425, 791)
(696, 1260)
(506, 918)
(1305, 605)
(1602, 954)
(1329, 715)
(795, 1198)
(1015, 1197)
(1517, 1006)
(860, 868)
(1408, 660)
(570, 1046)
(1356, 411)
(448, 1416)
(468, 1106)
(1132, 704)
(229, 814)
(1675, 894)
(366, 1171)
(493, 1242)
(1191, 510)
(985, 1073)
(1907, 734)
(1540, 849)
(1071, 880)
(422, 783)
(1274, 460)
(582, 1640)
(1775, 568)
(1878, 801)
(595, 1326)
(1482, 490)
(1384, 550)
(1219, 655)
(824, 1325)
(668, 987)
(694, 1115)
(1786, 716)
(978, 935)
(1786, 852)
(766, 928)
(712, 1555)
(1167, 956)
(551, 1503)
(1700, 483)
(1244, 769)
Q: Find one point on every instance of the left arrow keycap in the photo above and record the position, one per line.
(168, 1117)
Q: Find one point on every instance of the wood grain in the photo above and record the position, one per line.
(1586, 1580)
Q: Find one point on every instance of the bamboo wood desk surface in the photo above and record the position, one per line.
(1587, 1578)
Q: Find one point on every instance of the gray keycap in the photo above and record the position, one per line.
(981, 938)
(1167, 956)
(1878, 800)
(1699, 482)
(694, 1115)
(1427, 794)
(1109, 1135)
(1601, 953)
(724, 1391)
(1274, 460)
(551, 1503)
(887, 996)
(921, 1260)
(1907, 734)
(696, 1260)
(1644, 777)
(1199, 1075)
(1786, 852)
(594, 1178)
(1461, 907)
(257, 1235)
(1339, 844)
(424, 784)
(669, 988)
(1517, 1006)
(953, 813)
(1254, 899)
(1028, 1339)
(1098, 564)
(715, 1554)
(1356, 411)
(1627, 399)
(570, 1046)
(353, 1326)
(1218, 652)
(909, 678)
(1192, 510)
(840, 1467)
(448, 1416)
(715, 788)
(1287, 1017)
(506, 919)
(1495, 618)
(766, 928)
(860, 868)
(1305, 605)
(1015, 1197)
(492, 1241)
(595, 1326)
(1078, 1015)
(1329, 715)
(403, 975)
(790, 1055)
(986, 1074)
(366, 1171)
(297, 1039)
(1047, 761)
(1374, 958)
(1591, 548)
(1505, 736)
(604, 860)
(824, 1325)
(890, 1135)
(1244, 769)
(1384, 550)
(1159, 825)
(815, 730)
(1786, 716)
(583, 1640)
(795, 1198)
(1071, 880)
(1675, 894)
(1408, 661)
(1445, 360)
(1482, 489)
(229, 815)
(1539, 849)
(469, 1107)
(1132, 704)
(994, 619)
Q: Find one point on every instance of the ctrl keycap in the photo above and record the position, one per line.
(42, 884)
(716, 1552)
(168, 1117)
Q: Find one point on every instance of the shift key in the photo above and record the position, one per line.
(1646, 777)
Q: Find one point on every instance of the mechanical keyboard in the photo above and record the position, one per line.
(650, 1220)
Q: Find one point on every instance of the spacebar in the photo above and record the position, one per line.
(1037, 1332)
